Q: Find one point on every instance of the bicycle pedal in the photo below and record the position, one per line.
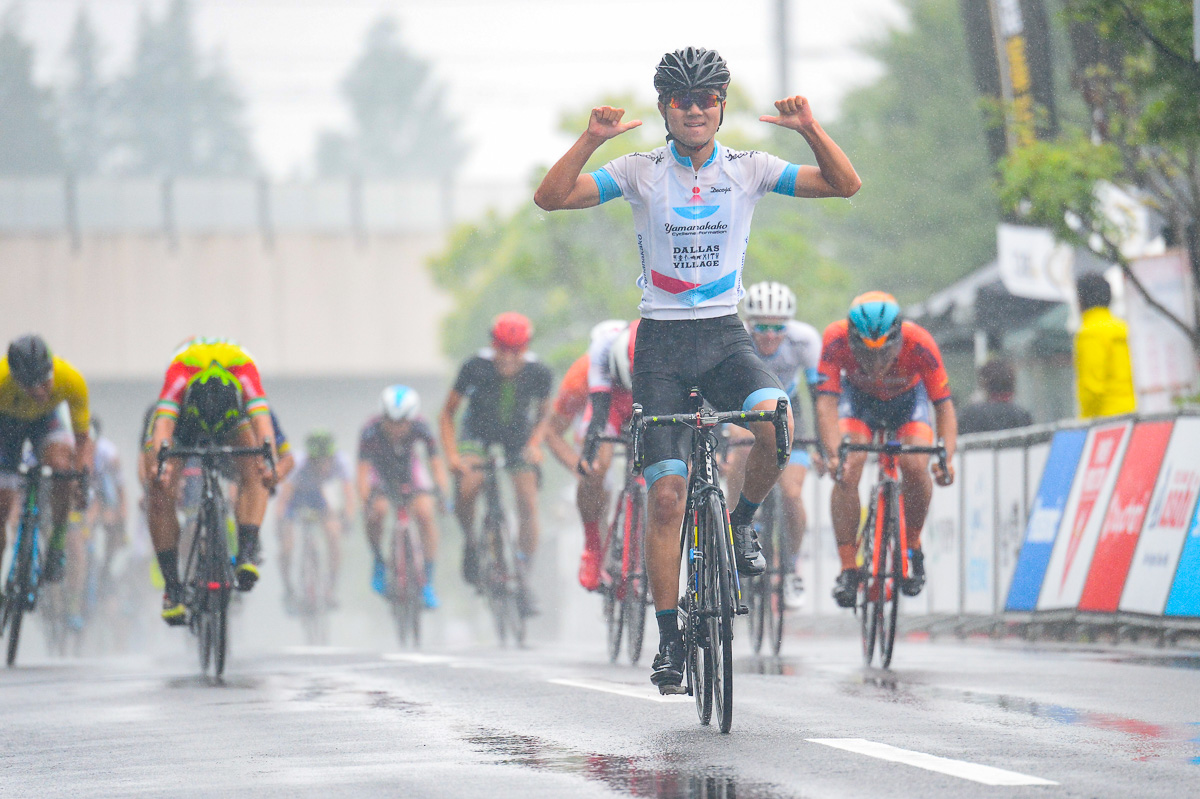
(742, 610)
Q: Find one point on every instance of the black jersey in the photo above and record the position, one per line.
(499, 410)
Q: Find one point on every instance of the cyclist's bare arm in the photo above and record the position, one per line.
(533, 447)
(285, 499)
(947, 429)
(447, 432)
(364, 483)
(563, 452)
(564, 187)
(833, 176)
(437, 465)
(827, 428)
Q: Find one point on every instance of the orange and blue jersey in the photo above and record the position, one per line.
(919, 362)
(199, 353)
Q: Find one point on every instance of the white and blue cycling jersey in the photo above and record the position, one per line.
(693, 225)
(799, 352)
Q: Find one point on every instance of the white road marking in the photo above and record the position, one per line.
(320, 650)
(621, 689)
(418, 658)
(987, 775)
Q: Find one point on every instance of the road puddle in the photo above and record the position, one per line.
(636, 776)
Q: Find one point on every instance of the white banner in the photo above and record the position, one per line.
(940, 542)
(979, 520)
(1032, 264)
(1010, 501)
(1080, 528)
(1167, 520)
(1164, 365)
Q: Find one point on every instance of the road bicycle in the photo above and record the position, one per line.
(208, 576)
(765, 593)
(406, 575)
(623, 579)
(312, 578)
(883, 543)
(712, 593)
(24, 574)
(500, 579)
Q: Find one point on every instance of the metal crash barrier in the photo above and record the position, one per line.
(1064, 530)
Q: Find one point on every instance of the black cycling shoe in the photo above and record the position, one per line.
(845, 588)
(668, 667)
(915, 581)
(747, 552)
(470, 565)
(56, 561)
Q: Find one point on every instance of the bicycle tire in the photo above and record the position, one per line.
(865, 601)
(637, 587)
(782, 570)
(313, 612)
(204, 640)
(699, 660)
(17, 601)
(616, 590)
(414, 595)
(720, 622)
(891, 570)
(220, 635)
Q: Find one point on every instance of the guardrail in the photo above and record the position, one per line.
(1056, 527)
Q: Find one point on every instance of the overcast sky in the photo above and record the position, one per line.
(511, 67)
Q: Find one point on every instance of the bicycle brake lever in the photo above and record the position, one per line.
(783, 438)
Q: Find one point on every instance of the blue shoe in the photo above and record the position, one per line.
(75, 622)
(431, 600)
(379, 578)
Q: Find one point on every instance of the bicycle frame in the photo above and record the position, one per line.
(498, 574)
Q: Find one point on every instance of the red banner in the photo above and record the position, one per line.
(1104, 447)
(1126, 512)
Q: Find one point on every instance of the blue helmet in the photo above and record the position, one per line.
(874, 328)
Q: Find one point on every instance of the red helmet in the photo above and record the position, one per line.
(511, 331)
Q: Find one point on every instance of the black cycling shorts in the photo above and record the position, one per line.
(671, 356)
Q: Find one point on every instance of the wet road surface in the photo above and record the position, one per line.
(974, 719)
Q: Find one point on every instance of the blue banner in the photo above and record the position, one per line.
(1044, 519)
(1185, 591)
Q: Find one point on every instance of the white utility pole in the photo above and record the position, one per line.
(781, 43)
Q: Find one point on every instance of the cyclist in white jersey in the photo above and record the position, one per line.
(692, 201)
(788, 348)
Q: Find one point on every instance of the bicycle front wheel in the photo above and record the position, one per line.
(868, 589)
(615, 589)
(17, 596)
(719, 573)
(637, 587)
(890, 572)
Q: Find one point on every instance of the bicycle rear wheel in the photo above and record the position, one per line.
(780, 573)
(719, 573)
(890, 573)
(414, 581)
(637, 586)
(220, 633)
(867, 586)
(313, 611)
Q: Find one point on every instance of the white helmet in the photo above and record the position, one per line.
(618, 360)
(770, 299)
(399, 403)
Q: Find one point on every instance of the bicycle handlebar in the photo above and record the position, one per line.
(208, 455)
(702, 419)
(893, 448)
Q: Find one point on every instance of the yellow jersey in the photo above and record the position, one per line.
(67, 385)
(1103, 370)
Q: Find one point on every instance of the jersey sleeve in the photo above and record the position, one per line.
(599, 376)
(544, 382)
(75, 391)
(772, 173)
(252, 390)
(466, 377)
(834, 349)
(615, 179)
(282, 445)
(171, 394)
(364, 443)
(424, 432)
(809, 341)
(572, 394)
(932, 369)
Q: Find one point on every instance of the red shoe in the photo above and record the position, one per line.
(589, 569)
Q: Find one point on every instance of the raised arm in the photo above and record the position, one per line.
(564, 187)
(833, 176)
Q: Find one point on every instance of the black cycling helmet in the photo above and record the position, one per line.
(689, 69)
(29, 361)
(213, 400)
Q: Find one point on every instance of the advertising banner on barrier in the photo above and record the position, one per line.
(1167, 522)
(1072, 553)
(1126, 512)
(1010, 509)
(1185, 592)
(940, 541)
(1045, 516)
(979, 533)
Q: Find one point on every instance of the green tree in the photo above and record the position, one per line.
(85, 107)
(926, 214)
(1142, 86)
(28, 141)
(179, 116)
(571, 269)
(401, 127)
